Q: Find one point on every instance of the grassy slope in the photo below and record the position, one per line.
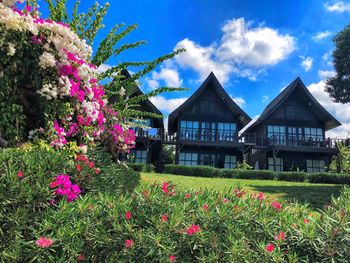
(316, 195)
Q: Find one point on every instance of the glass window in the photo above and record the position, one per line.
(189, 130)
(315, 166)
(208, 131)
(188, 159)
(138, 156)
(227, 131)
(230, 161)
(207, 159)
(275, 164)
(313, 134)
(276, 135)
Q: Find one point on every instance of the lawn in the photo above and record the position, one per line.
(316, 195)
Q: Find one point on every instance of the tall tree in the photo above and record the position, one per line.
(338, 86)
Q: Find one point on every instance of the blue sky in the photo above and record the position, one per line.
(255, 48)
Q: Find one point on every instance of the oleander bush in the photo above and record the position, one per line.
(160, 223)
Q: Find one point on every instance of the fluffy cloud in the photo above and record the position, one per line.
(306, 63)
(168, 75)
(104, 67)
(325, 74)
(239, 101)
(321, 35)
(243, 50)
(339, 111)
(337, 6)
(265, 98)
(167, 105)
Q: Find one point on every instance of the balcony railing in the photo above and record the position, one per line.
(301, 142)
(217, 137)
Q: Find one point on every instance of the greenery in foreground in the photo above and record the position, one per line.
(316, 195)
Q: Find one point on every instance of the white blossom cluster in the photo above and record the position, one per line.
(47, 60)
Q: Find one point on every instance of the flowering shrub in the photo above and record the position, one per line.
(49, 66)
(64, 187)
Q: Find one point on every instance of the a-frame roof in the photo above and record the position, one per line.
(211, 81)
(329, 121)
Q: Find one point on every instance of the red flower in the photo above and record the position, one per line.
(205, 207)
(20, 174)
(164, 217)
(306, 221)
(92, 164)
(165, 186)
(225, 200)
(239, 193)
(81, 257)
(193, 229)
(145, 193)
(235, 207)
(270, 247)
(129, 243)
(281, 236)
(97, 170)
(44, 242)
(78, 167)
(128, 215)
(172, 258)
(276, 205)
(187, 196)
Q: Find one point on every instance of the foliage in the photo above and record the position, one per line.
(206, 171)
(338, 86)
(244, 166)
(161, 221)
(141, 167)
(341, 162)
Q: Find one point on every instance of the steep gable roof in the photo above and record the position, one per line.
(215, 84)
(329, 121)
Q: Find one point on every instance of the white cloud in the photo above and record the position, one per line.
(321, 35)
(325, 74)
(337, 6)
(265, 98)
(153, 84)
(168, 75)
(103, 67)
(339, 111)
(239, 101)
(243, 50)
(167, 105)
(306, 63)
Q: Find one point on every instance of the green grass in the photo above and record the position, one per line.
(316, 195)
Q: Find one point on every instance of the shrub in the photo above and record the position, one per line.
(201, 171)
(141, 167)
(329, 178)
(292, 176)
(202, 227)
(257, 174)
(229, 173)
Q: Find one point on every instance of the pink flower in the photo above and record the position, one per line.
(260, 196)
(164, 217)
(44, 242)
(129, 243)
(128, 215)
(281, 236)
(276, 205)
(165, 186)
(28, 8)
(20, 174)
(270, 247)
(193, 229)
(78, 167)
(205, 207)
(225, 200)
(81, 257)
(172, 258)
(187, 196)
(306, 221)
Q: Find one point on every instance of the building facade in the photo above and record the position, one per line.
(291, 133)
(207, 128)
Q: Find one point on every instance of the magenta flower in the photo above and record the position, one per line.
(172, 258)
(20, 174)
(270, 247)
(128, 215)
(129, 243)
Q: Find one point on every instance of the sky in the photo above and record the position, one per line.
(255, 48)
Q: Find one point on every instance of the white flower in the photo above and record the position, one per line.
(11, 50)
(47, 60)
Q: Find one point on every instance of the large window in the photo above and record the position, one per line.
(189, 130)
(188, 159)
(313, 134)
(315, 166)
(230, 161)
(207, 159)
(208, 131)
(227, 131)
(138, 156)
(295, 135)
(276, 135)
(275, 164)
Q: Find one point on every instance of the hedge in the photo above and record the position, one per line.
(141, 167)
(293, 176)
